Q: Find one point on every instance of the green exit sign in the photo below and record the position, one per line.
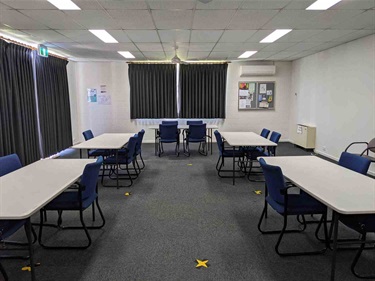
(42, 51)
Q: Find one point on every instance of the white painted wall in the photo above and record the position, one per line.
(336, 93)
(116, 117)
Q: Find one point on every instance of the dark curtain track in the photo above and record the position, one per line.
(152, 91)
(18, 120)
(203, 90)
(53, 104)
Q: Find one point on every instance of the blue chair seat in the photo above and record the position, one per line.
(298, 205)
(360, 223)
(168, 140)
(9, 227)
(121, 160)
(69, 200)
(99, 152)
(196, 140)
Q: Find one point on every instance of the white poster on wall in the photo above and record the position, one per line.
(104, 99)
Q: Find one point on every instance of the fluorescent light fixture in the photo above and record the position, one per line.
(127, 55)
(103, 35)
(322, 4)
(247, 54)
(64, 4)
(278, 33)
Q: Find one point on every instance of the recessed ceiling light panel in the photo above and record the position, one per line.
(64, 4)
(103, 35)
(277, 34)
(247, 54)
(322, 4)
(127, 55)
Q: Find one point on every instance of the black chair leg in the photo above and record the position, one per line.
(356, 258)
(143, 162)
(3, 272)
(218, 161)
(93, 211)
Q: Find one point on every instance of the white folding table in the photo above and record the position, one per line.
(27, 190)
(209, 128)
(343, 190)
(114, 141)
(237, 139)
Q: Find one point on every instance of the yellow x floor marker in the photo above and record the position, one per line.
(257, 192)
(201, 263)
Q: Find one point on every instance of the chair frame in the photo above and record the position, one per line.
(203, 144)
(160, 143)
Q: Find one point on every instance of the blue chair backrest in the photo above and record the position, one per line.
(354, 162)
(265, 132)
(219, 141)
(169, 131)
(195, 122)
(275, 137)
(169, 122)
(132, 144)
(88, 135)
(274, 180)
(197, 131)
(89, 177)
(9, 164)
(140, 140)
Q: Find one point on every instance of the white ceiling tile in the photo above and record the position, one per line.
(354, 4)
(150, 47)
(93, 19)
(303, 46)
(197, 55)
(354, 35)
(4, 7)
(4, 31)
(273, 47)
(16, 20)
(261, 55)
(199, 47)
(212, 19)
(219, 5)
(119, 35)
(171, 4)
(110, 47)
(175, 35)
(259, 35)
(154, 55)
(143, 35)
(182, 54)
(54, 19)
(298, 19)
(264, 5)
(126, 5)
(251, 19)
(219, 55)
(328, 35)
(205, 35)
(81, 36)
(29, 4)
(298, 4)
(237, 35)
(176, 19)
(325, 46)
(221, 47)
(282, 55)
(88, 4)
(133, 19)
(330, 18)
(363, 20)
(298, 35)
(48, 35)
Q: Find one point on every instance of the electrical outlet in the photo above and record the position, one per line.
(324, 148)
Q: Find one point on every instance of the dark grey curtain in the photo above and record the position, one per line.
(53, 104)
(18, 120)
(203, 90)
(152, 91)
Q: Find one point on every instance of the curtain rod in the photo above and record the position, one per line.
(30, 47)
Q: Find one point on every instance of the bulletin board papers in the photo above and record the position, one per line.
(91, 95)
(246, 95)
(256, 95)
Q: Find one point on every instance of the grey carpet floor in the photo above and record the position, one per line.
(177, 213)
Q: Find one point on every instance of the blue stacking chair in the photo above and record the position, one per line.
(95, 152)
(194, 122)
(276, 195)
(196, 134)
(265, 132)
(78, 198)
(138, 149)
(127, 157)
(169, 133)
(226, 153)
(169, 122)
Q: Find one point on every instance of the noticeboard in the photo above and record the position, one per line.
(256, 95)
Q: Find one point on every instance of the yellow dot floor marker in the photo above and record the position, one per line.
(201, 263)
(190, 164)
(258, 192)
(128, 193)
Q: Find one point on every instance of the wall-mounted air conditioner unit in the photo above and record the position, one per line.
(257, 70)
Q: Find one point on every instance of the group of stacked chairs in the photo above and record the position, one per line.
(131, 154)
(246, 156)
(196, 133)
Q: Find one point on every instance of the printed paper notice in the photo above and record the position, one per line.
(244, 93)
(299, 130)
(262, 88)
(91, 95)
(269, 93)
(242, 103)
(104, 99)
(252, 88)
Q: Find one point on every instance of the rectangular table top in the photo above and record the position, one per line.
(339, 188)
(26, 190)
(105, 141)
(208, 126)
(246, 139)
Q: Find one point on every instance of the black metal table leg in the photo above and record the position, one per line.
(211, 140)
(80, 153)
(117, 175)
(30, 240)
(155, 141)
(234, 165)
(335, 221)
